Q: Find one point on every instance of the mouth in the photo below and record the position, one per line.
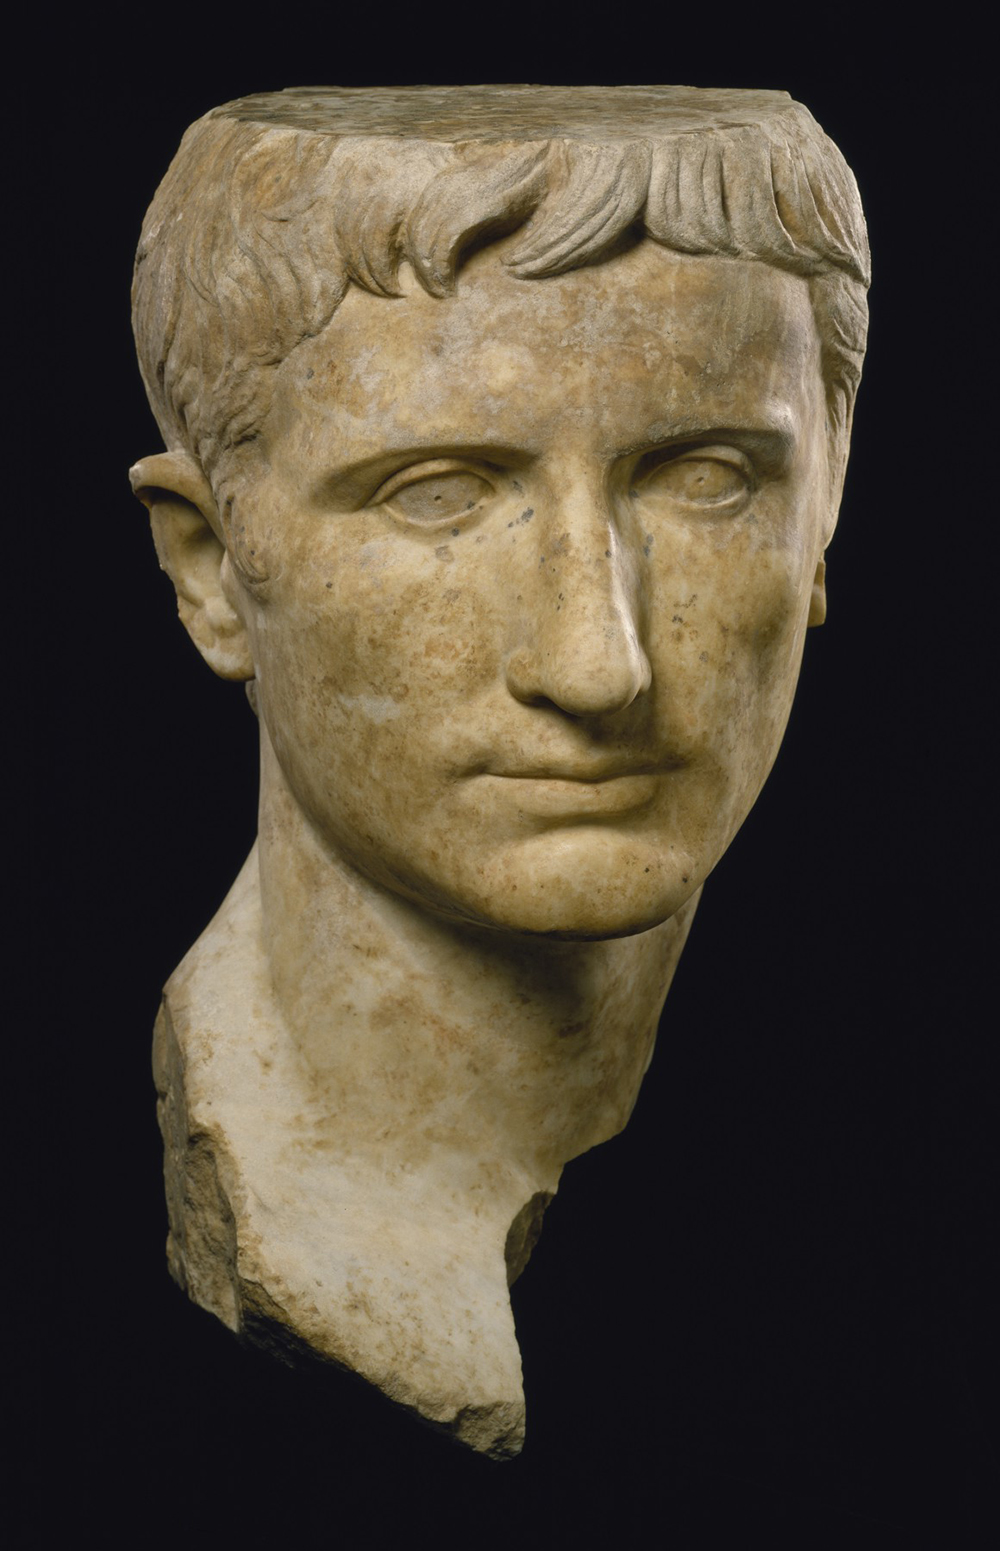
(579, 772)
(577, 793)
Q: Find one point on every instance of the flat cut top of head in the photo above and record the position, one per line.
(457, 113)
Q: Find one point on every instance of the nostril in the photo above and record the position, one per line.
(520, 679)
(607, 677)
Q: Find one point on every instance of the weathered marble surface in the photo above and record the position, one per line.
(506, 430)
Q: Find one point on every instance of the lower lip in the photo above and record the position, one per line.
(577, 800)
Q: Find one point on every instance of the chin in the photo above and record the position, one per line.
(578, 885)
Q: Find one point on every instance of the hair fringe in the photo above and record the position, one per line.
(599, 190)
(287, 220)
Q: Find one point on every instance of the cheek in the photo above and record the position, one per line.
(412, 622)
(365, 646)
(729, 632)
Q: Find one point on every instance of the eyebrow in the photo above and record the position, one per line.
(771, 444)
(773, 439)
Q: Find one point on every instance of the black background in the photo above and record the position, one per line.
(765, 1303)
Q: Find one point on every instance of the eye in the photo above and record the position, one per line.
(717, 480)
(433, 494)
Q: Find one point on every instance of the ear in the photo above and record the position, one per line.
(189, 545)
(817, 603)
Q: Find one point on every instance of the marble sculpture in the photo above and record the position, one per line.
(506, 429)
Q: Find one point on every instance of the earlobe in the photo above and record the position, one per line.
(817, 603)
(188, 538)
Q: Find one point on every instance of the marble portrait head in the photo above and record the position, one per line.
(506, 430)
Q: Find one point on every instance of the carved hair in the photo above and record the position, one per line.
(259, 227)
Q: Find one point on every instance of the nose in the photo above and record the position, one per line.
(580, 648)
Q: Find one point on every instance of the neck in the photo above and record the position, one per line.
(441, 1046)
(366, 1109)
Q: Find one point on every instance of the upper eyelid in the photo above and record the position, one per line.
(353, 486)
(720, 452)
(413, 473)
(766, 453)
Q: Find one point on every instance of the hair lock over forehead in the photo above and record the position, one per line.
(258, 229)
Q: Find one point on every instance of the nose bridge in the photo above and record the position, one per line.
(580, 646)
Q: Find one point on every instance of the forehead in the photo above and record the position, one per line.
(635, 349)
